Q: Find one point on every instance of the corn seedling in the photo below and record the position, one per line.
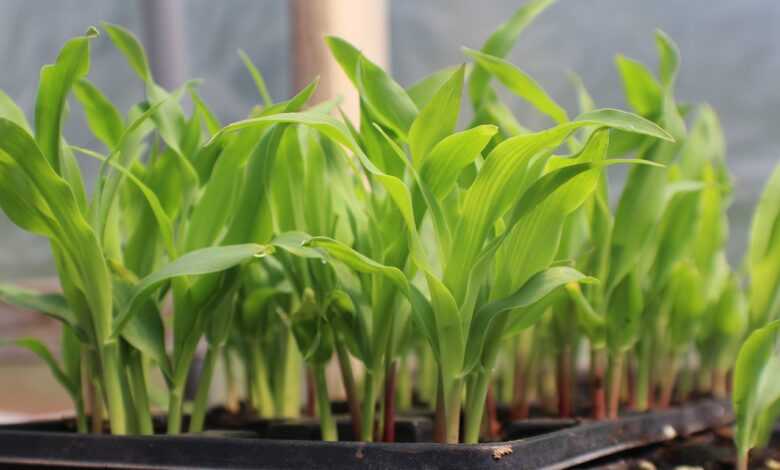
(464, 266)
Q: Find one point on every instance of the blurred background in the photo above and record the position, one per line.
(729, 55)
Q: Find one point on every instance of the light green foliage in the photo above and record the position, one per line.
(295, 235)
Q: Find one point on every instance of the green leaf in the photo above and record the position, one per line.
(39, 349)
(103, 118)
(437, 119)
(386, 99)
(198, 262)
(763, 257)
(47, 303)
(257, 77)
(422, 91)
(504, 177)
(669, 58)
(643, 92)
(453, 154)
(756, 385)
(624, 314)
(72, 232)
(536, 288)
(12, 112)
(56, 80)
(129, 45)
(163, 221)
(521, 84)
(145, 330)
(501, 42)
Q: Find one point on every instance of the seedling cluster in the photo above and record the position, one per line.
(458, 266)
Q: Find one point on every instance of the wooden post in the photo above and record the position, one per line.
(361, 22)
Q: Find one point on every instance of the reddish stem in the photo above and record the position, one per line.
(598, 389)
(440, 420)
(388, 432)
(631, 384)
(614, 383)
(520, 398)
(311, 398)
(667, 386)
(491, 414)
(719, 387)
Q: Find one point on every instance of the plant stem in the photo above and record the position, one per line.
(370, 386)
(112, 372)
(403, 386)
(643, 382)
(563, 382)
(311, 395)
(440, 419)
(327, 424)
(232, 400)
(347, 377)
(140, 393)
(598, 391)
(426, 377)
(288, 397)
(388, 423)
(262, 392)
(614, 382)
(667, 384)
(719, 387)
(742, 460)
(202, 394)
(175, 400)
(475, 405)
(491, 414)
(452, 398)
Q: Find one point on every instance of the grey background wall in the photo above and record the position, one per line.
(730, 58)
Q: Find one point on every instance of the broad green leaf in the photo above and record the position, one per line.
(504, 177)
(668, 58)
(521, 84)
(422, 91)
(12, 112)
(128, 45)
(386, 99)
(144, 331)
(56, 81)
(763, 257)
(437, 119)
(643, 92)
(198, 262)
(47, 303)
(756, 385)
(103, 118)
(453, 154)
(501, 42)
(73, 233)
(537, 287)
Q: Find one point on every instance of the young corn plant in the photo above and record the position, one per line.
(518, 183)
(756, 391)
(119, 252)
